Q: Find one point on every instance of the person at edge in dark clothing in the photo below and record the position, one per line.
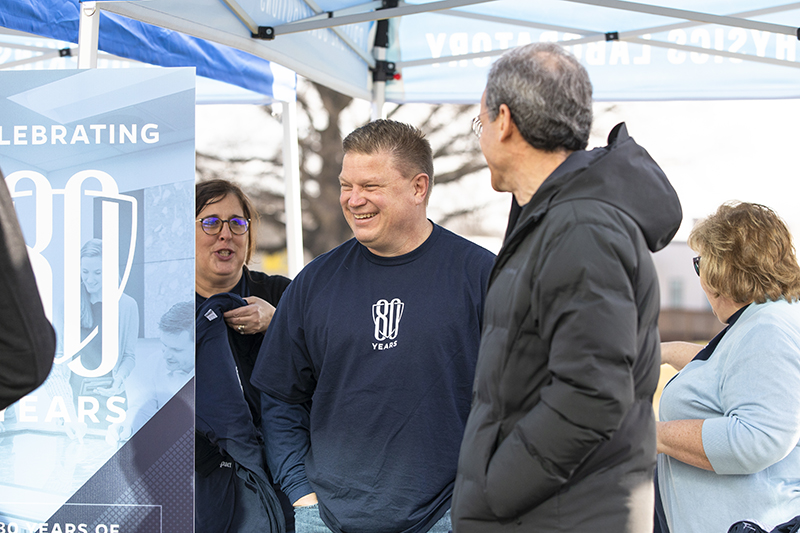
(224, 244)
(561, 435)
(27, 339)
(367, 367)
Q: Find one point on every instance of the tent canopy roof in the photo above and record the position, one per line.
(442, 49)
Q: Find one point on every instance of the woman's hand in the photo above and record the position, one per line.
(251, 318)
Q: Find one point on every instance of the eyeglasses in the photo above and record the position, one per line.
(213, 225)
(477, 126)
(696, 263)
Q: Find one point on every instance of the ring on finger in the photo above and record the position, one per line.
(240, 328)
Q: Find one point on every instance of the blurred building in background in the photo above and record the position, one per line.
(685, 312)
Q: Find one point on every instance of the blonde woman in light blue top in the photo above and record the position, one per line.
(729, 434)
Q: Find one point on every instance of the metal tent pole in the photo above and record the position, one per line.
(88, 31)
(291, 178)
(383, 70)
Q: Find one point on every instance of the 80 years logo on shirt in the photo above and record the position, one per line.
(386, 315)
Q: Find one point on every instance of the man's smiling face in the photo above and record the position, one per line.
(380, 204)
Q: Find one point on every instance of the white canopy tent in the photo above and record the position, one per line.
(440, 50)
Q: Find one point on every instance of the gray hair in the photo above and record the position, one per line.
(548, 93)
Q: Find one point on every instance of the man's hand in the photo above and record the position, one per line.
(305, 501)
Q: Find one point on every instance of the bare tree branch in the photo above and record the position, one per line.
(460, 172)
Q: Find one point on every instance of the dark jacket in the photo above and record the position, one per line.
(247, 414)
(569, 357)
(27, 339)
(223, 419)
(245, 347)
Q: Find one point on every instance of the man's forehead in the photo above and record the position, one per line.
(355, 161)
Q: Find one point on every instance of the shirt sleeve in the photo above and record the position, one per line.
(760, 395)
(27, 339)
(286, 377)
(286, 437)
(588, 313)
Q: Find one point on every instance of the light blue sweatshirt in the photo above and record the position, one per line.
(748, 393)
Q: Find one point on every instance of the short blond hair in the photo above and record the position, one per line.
(746, 254)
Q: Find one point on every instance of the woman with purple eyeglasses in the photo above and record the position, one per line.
(226, 449)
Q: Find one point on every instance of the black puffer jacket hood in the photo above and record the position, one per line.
(622, 174)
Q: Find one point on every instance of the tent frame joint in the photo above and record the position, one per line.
(65, 52)
(265, 33)
(384, 70)
(612, 36)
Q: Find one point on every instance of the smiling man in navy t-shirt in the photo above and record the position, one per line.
(368, 364)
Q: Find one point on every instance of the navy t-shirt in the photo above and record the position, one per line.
(384, 351)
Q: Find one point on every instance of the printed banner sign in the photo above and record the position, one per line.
(100, 165)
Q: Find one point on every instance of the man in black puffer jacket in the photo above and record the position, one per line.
(561, 434)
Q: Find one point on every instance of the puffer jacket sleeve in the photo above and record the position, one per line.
(589, 319)
(27, 339)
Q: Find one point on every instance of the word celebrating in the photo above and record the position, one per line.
(99, 134)
(24, 527)
(735, 40)
(88, 407)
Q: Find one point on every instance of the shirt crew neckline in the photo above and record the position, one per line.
(405, 258)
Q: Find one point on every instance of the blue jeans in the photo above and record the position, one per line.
(307, 520)
(443, 525)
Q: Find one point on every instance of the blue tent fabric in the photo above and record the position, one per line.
(59, 19)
